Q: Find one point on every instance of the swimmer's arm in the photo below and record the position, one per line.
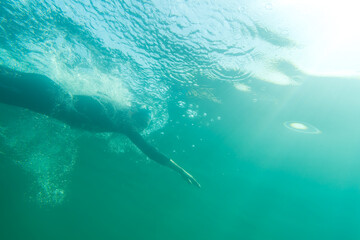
(155, 155)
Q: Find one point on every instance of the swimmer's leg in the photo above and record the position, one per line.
(32, 91)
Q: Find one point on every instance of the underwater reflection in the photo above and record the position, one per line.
(301, 127)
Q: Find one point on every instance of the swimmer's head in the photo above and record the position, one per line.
(140, 117)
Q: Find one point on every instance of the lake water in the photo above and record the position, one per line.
(257, 100)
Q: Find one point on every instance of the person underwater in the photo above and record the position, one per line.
(40, 94)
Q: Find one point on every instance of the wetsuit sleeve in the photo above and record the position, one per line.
(147, 149)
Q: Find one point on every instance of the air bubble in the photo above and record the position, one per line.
(181, 104)
(191, 113)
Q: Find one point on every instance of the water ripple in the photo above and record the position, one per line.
(145, 48)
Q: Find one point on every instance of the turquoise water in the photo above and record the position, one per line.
(223, 88)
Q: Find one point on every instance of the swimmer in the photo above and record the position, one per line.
(40, 94)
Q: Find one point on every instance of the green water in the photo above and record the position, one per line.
(260, 180)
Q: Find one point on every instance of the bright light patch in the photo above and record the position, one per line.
(301, 127)
(242, 87)
(328, 32)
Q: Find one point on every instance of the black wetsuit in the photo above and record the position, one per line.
(40, 94)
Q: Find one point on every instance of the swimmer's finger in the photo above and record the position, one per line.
(193, 181)
(196, 183)
(190, 179)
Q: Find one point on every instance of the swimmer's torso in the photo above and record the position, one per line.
(93, 113)
(40, 94)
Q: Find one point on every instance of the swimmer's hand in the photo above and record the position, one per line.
(187, 176)
(155, 155)
(190, 179)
